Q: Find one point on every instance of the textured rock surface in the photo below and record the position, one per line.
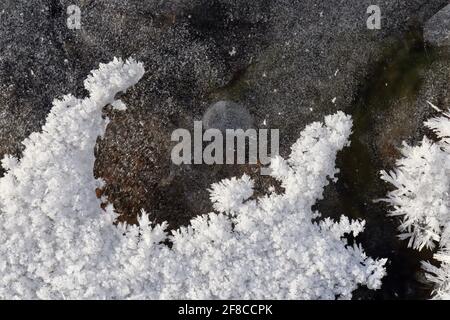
(390, 108)
(288, 63)
(437, 29)
(224, 115)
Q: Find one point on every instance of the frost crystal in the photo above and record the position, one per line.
(422, 199)
(57, 243)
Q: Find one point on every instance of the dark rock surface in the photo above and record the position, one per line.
(287, 62)
(390, 109)
(437, 29)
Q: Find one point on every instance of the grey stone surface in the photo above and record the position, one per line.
(224, 115)
(287, 62)
(437, 29)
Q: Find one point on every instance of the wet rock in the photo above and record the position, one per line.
(437, 29)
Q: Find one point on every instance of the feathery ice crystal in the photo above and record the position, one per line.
(56, 242)
(422, 199)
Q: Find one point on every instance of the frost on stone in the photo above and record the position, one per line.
(421, 199)
(57, 243)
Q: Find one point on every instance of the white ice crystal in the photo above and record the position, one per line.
(422, 199)
(57, 243)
